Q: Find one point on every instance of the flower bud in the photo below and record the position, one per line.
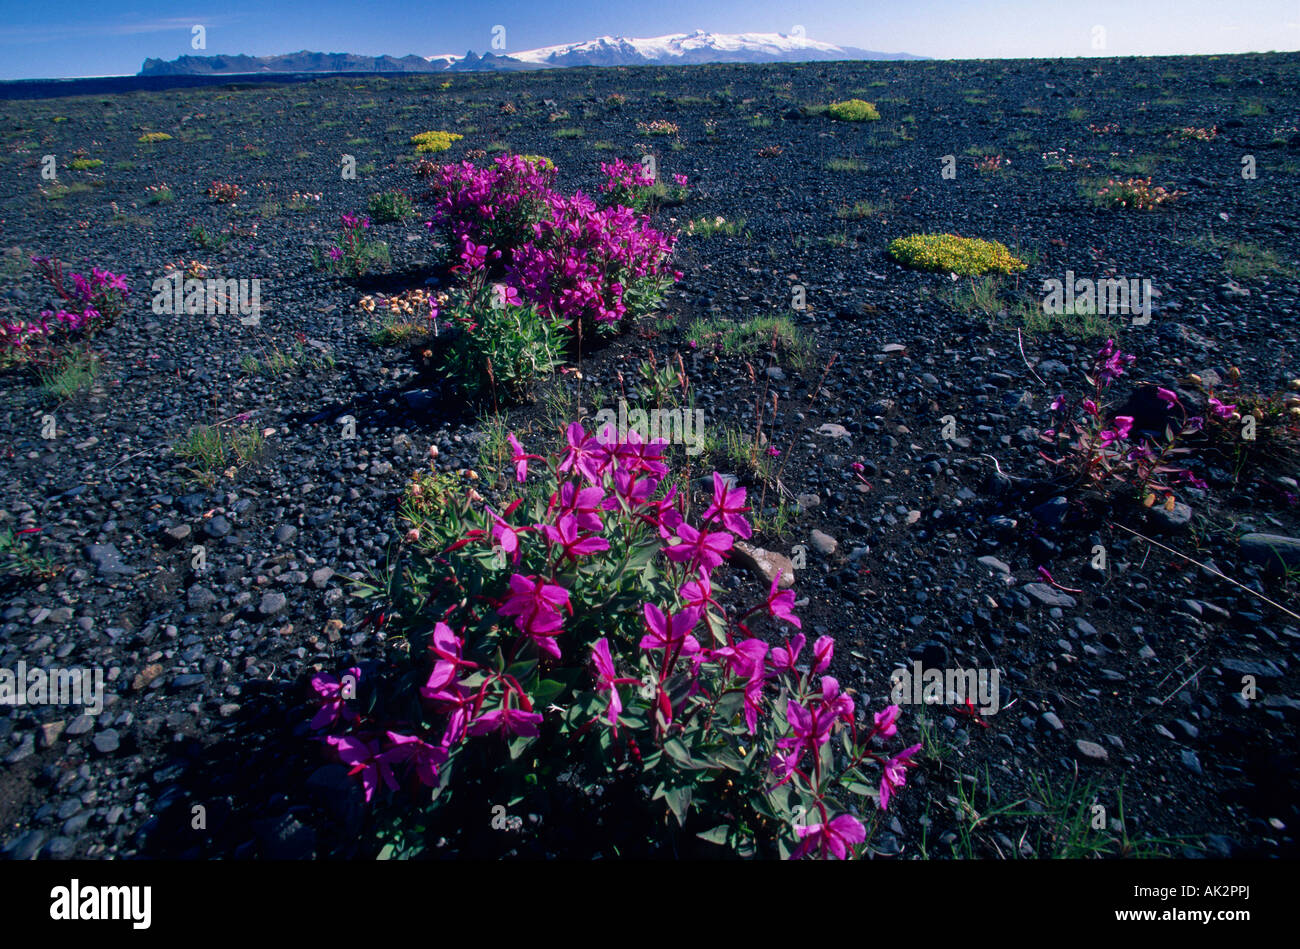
(1234, 373)
(412, 535)
(1193, 380)
(433, 451)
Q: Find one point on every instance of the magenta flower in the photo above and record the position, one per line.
(607, 678)
(780, 604)
(728, 504)
(535, 604)
(331, 692)
(583, 453)
(520, 459)
(1219, 410)
(428, 758)
(699, 548)
(670, 632)
(366, 759)
(1167, 397)
(895, 774)
(784, 657)
(833, 703)
(565, 534)
(885, 722)
(837, 837)
(1058, 403)
(680, 179)
(823, 652)
(508, 721)
(698, 592)
(584, 504)
(1123, 425)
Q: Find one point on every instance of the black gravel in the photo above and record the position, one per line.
(1133, 682)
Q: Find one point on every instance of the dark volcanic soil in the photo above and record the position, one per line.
(207, 668)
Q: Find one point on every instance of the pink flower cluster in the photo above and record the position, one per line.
(584, 257)
(91, 301)
(698, 653)
(564, 254)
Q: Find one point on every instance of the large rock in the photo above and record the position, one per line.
(764, 563)
(1276, 552)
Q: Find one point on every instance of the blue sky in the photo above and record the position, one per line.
(97, 38)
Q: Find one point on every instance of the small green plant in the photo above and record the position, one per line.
(85, 164)
(389, 206)
(1076, 114)
(356, 253)
(150, 138)
(502, 347)
(708, 226)
(73, 373)
(861, 210)
(57, 192)
(948, 253)
(213, 449)
(429, 142)
(853, 110)
(569, 133)
(159, 194)
(847, 165)
(17, 560)
(208, 240)
(1129, 194)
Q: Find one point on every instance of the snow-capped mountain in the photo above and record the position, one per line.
(697, 47)
(676, 49)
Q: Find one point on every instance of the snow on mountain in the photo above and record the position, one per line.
(697, 47)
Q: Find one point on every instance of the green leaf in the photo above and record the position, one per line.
(726, 758)
(681, 756)
(716, 835)
(523, 669)
(679, 802)
(387, 853)
(546, 692)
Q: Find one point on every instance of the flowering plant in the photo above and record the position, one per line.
(588, 265)
(1105, 450)
(564, 651)
(355, 253)
(90, 304)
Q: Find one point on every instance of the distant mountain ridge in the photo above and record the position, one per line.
(673, 49)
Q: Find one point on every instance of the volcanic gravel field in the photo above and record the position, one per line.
(1128, 694)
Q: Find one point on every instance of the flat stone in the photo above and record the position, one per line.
(1049, 596)
(146, 676)
(271, 604)
(1091, 751)
(826, 544)
(995, 564)
(50, 732)
(1275, 551)
(107, 559)
(81, 725)
(107, 741)
(764, 564)
(321, 576)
